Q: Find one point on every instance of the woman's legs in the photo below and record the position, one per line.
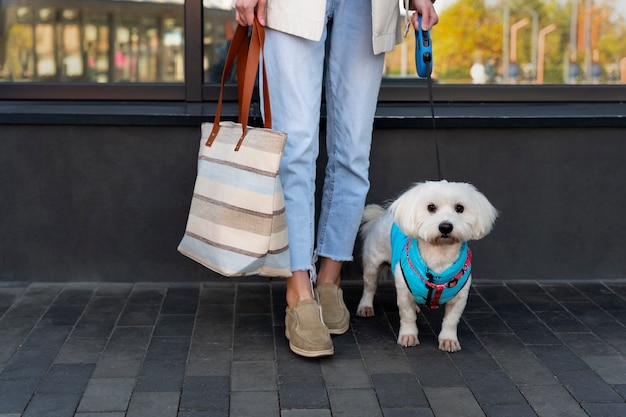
(295, 70)
(352, 83)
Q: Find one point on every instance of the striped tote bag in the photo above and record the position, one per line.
(237, 224)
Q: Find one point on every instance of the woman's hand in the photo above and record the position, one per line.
(245, 11)
(428, 12)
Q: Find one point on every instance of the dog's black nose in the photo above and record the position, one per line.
(445, 228)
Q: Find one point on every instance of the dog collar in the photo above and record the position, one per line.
(428, 288)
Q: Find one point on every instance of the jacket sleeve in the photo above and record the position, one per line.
(385, 25)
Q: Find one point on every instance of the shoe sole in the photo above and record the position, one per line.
(308, 353)
(339, 331)
(311, 353)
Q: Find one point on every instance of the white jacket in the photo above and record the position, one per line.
(307, 18)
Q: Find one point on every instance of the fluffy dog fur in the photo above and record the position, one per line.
(441, 215)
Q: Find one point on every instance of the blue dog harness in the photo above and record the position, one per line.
(428, 288)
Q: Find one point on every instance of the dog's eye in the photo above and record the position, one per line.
(432, 208)
(459, 208)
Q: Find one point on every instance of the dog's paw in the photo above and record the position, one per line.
(408, 334)
(408, 340)
(449, 345)
(365, 311)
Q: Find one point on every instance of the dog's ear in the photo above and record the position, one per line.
(405, 210)
(486, 215)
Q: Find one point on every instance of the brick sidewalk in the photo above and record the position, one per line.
(218, 349)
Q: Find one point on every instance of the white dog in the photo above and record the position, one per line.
(423, 236)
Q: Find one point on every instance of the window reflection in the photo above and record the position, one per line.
(219, 26)
(523, 42)
(499, 41)
(92, 41)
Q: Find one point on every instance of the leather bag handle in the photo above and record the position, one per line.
(247, 55)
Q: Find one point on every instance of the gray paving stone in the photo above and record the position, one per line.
(302, 391)
(621, 390)
(62, 315)
(488, 322)
(505, 410)
(290, 364)
(218, 294)
(209, 362)
(437, 372)
(559, 358)
(49, 339)
(181, 299)
(117, 289)
(254, 404)
(77, 350)
(346, 346)
(58, 405)
(129, 338)
(254, 324)
(123, 364)
(407, 412)
(160, 376)
(345, 373)
(610, 368)
(147, 294)
(552, 401)
(253, 348)
(491, 388)
(216, 314)
(563, 292)
(139, 315)
(386, 360)
(218, 349)
(255, 299)
(253, 376)
(206, 394)
(474, 357)
(587, 386)
(587, 344)
(106, 395)
(605, 409)
(562, 322)
(396, 391)
(526, 369)
(15, 393)
(65, 379)
(97, 415)
(303, 413)
(354, 402)
(153, 404)
(174, 325)
(171, 349)
(453, 402)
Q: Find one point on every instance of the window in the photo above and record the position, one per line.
(95, 41)
(174, 50)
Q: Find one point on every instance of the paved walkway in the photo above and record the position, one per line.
(218, 349)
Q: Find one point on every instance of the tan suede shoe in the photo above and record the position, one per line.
(334, 312)
(307, 334)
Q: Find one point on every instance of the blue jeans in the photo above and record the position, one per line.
(295, 68)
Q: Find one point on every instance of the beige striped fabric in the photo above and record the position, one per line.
(237, 224)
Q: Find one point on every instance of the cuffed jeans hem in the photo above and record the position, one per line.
(336, 258)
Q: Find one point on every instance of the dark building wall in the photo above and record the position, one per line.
(109, 203)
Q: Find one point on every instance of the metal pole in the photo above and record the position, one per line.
(541, 47)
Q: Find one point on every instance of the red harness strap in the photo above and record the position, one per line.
(433, 298)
